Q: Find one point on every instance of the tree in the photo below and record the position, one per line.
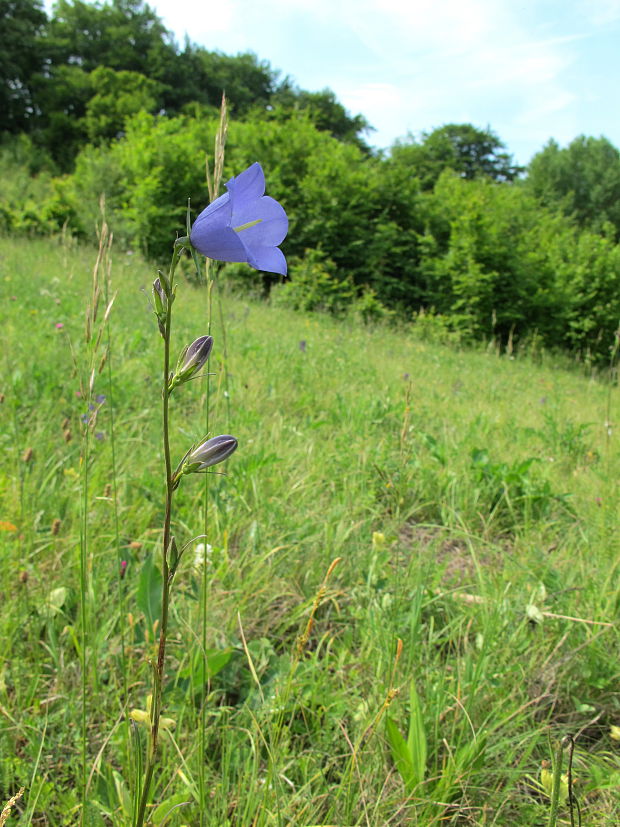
(117, 96)
(489, 268)
(323, 109)
(582, 180)
(468, 151)
(247, 81)
(21, 59)
(60, 127)
(124, 35)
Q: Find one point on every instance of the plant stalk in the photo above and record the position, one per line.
(158, 671)
(555, 791)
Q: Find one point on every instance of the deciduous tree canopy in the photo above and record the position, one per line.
(49, 84)
(21, 61)
(583, 180)
(468, 151)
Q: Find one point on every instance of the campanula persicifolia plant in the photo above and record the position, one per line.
(243, 225)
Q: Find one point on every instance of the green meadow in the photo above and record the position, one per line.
(410, 571)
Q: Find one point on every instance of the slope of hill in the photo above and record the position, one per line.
(472, 500)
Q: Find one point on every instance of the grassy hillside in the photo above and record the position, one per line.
(471, 497)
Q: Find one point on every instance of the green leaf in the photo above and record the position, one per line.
(416, 738)
(466, 759)
(173, 556)
(216, 661)
(148, 596)
(92, 817)
(401, 755)
(122, 793)
(54, 603)
(164, 811)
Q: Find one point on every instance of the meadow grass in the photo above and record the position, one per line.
(471, 497)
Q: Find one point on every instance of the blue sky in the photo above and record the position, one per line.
(529, 69)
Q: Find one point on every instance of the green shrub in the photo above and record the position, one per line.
(314, 287)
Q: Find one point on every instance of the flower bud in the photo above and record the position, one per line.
(159, 297)
(160, 300)
(214, 450)
(191, 360)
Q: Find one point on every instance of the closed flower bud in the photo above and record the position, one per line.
(211, 452)
(159, 297)
(191, 360)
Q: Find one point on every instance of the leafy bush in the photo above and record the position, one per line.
(147, 177)
(437, 329)
(313, 287)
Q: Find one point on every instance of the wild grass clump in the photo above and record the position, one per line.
(469, 626)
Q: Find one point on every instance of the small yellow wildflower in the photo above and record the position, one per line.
(546, 779)
(142, 716)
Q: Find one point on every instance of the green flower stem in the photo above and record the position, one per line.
(204, 593)
(84, 589)
(158, 672)
(555, 791)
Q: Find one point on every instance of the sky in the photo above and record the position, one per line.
(530, 70)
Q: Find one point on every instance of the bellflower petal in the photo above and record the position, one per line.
(271, 229)
(197, 353)
(270, 259)
(249, 184)
(218, 212)
(219, 243)
(244, 224)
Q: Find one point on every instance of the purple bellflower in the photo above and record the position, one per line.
(244, 224)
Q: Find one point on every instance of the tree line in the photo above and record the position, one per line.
(73, 78)
(100, 99)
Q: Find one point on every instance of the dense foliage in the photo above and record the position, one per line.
(99, 99)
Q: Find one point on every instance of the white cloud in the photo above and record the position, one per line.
(381, 104)
(600, 12)
(452, 61)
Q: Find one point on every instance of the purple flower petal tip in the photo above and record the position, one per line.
(243, 225)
